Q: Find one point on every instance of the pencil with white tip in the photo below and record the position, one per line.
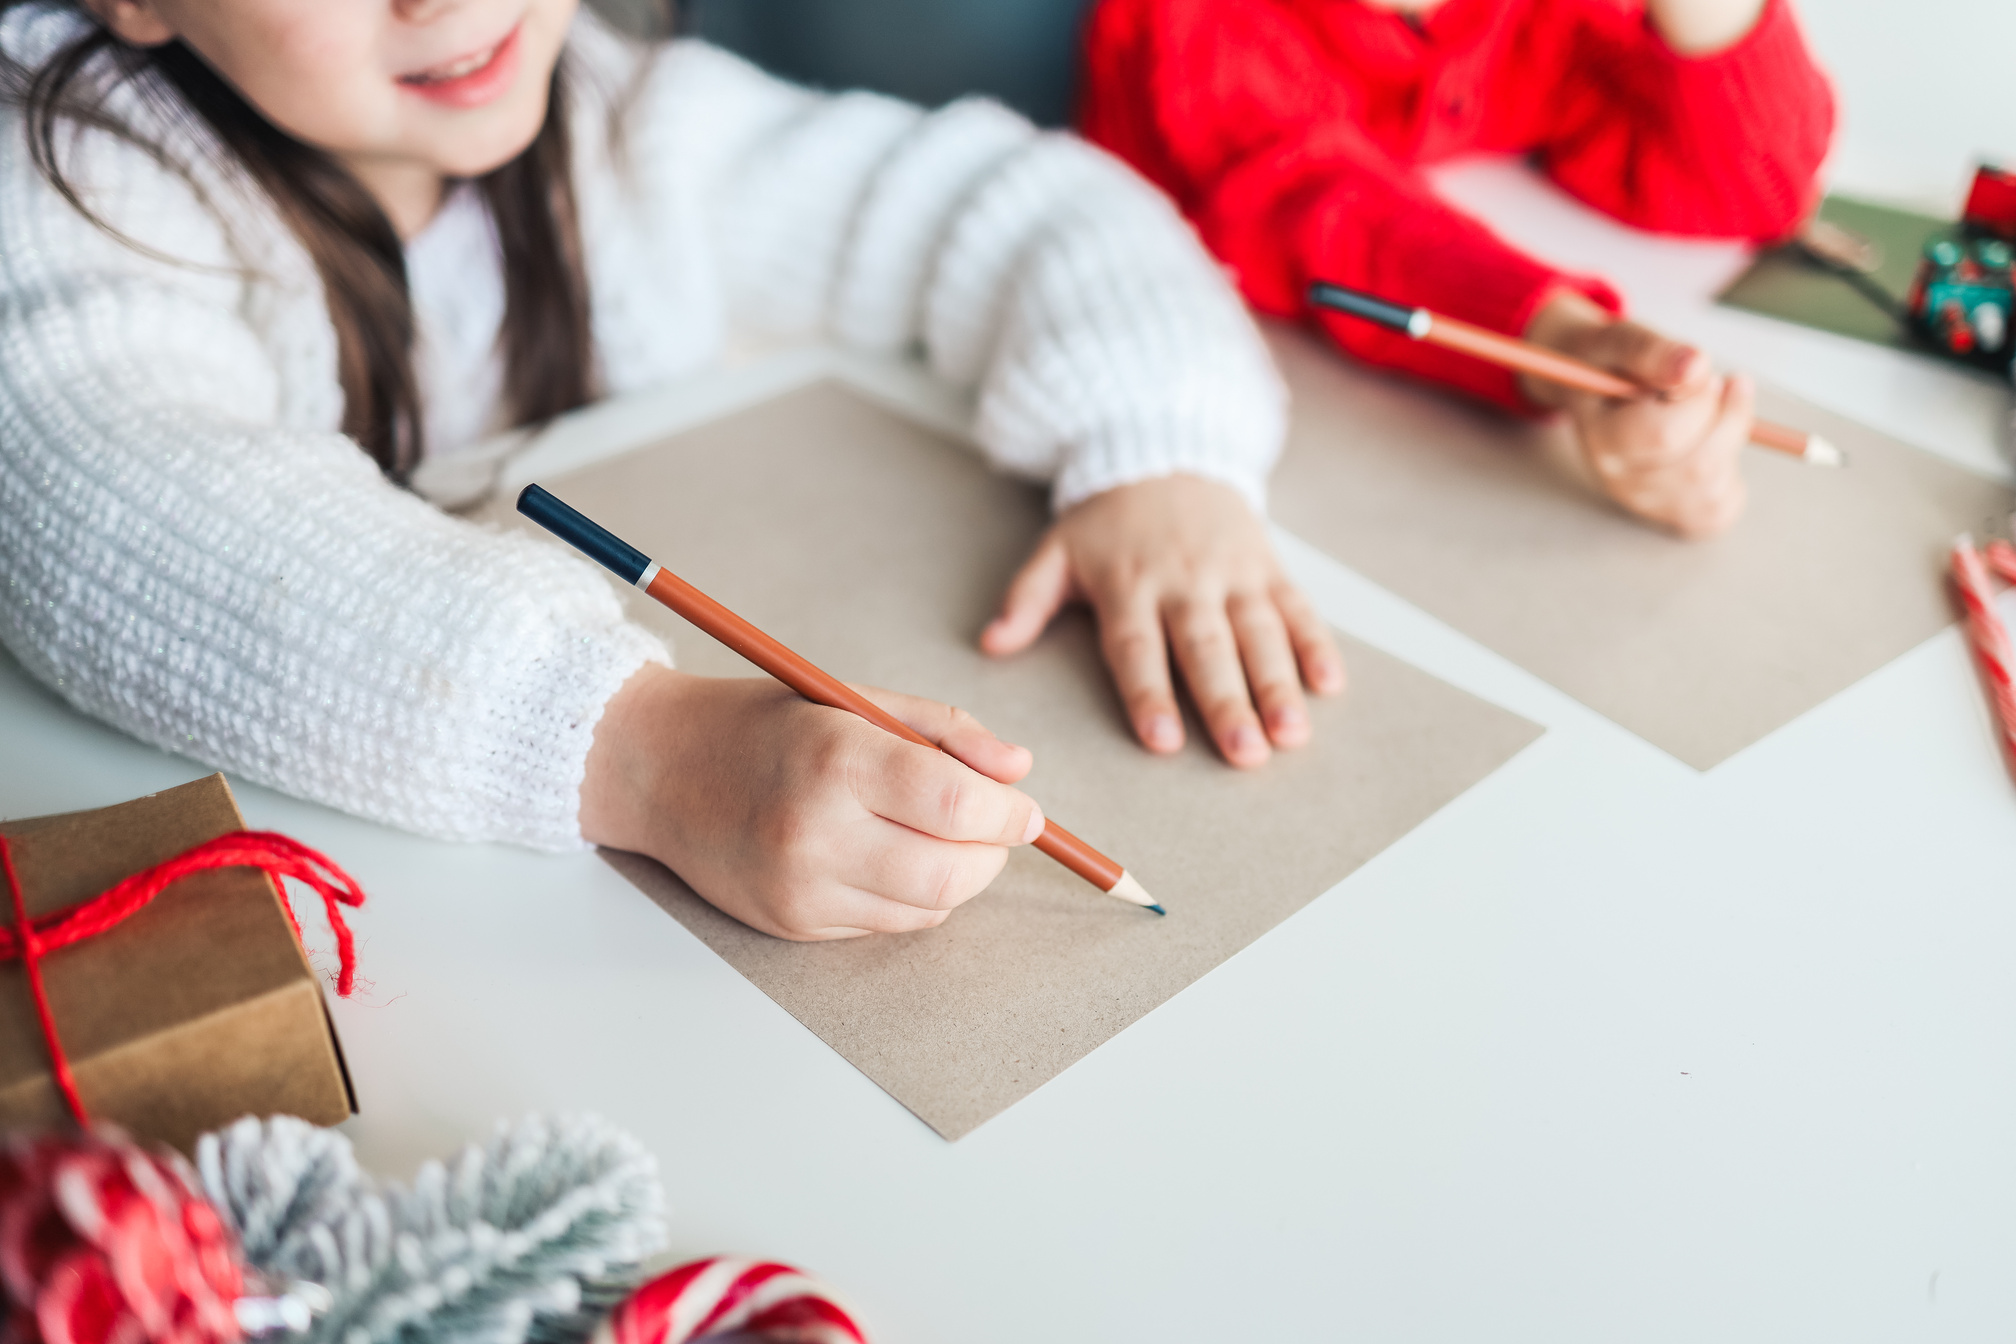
(641, 571)
(1526, 357)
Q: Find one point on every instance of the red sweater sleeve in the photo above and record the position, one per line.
(1231, 109)
(1728, 144)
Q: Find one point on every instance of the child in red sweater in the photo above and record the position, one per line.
(1290, 132)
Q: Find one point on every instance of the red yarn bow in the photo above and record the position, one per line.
(269, 851)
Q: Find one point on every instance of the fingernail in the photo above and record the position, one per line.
(1290, 720)
(1246, 740)
(1035, 827)
(1164, 733)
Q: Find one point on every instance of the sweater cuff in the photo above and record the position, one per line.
(1213, 446)
(542, 715)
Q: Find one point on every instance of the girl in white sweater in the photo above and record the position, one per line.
(263, 263)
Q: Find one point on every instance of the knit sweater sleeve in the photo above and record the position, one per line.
(1234, 110)
(1101, 341)
(1727, 144)
(184, 560)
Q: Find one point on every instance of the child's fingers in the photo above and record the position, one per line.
(931, 792)
(1713, 514)
(1644, 356)
(1034, 597)
(1208, 653)
(838, 908)
(1130, 634)
(1739, 410)
(958, 733)
(1271, 669)
(1700, 493)
(1322, 665)
(924, 877)
(1630, 443)
(1717, 460)
(827, 934)
(1716, 492)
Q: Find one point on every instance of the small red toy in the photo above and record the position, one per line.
(1991, 204)
(1963, 301)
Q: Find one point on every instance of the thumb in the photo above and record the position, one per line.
(1033, 599)
(1644, 356)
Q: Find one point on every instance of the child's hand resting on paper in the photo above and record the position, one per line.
(805, 822)
(1180, 566)
(1672, 456)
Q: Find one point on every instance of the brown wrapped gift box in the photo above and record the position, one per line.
(198, 1009)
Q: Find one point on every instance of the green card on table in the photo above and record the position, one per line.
(1783, 283)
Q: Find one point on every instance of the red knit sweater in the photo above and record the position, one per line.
(1289, 131)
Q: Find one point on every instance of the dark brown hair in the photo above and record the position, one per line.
(548, 350)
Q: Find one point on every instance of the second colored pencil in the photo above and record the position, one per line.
(1526, 357)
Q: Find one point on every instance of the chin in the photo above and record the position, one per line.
(506, 134)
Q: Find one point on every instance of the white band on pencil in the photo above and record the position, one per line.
(650, 573)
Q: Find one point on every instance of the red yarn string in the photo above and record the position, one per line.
(269, 851)
(31, 958)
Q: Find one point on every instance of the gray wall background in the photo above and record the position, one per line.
(1911, 127)
(1024, 52)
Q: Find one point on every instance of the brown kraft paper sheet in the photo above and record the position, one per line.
(878, 549)
(1701, 648)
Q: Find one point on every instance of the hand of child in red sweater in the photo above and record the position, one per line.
(1700, 27)
(1180, 565)
(1672, 456)
(802, 821)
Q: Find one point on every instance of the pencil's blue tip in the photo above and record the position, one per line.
(1156, 908)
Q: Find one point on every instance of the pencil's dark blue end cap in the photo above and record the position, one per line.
(593, 540)
(1326, 295)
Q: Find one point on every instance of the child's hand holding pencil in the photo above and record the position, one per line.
(1661, 430)
(806, 822)
(1673, 454)
(804, 807)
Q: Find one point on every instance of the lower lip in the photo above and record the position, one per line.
(483, 85)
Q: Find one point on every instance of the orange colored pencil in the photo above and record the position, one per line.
(1526, 357)
(799, 673)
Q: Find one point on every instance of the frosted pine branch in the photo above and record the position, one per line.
(530, 1240)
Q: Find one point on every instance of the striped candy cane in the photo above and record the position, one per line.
(1989, 636)
(725, 1296)
(2001, 558)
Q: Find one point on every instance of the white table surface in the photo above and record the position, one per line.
(1607, 1050)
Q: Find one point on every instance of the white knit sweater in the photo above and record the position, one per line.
(191, 550)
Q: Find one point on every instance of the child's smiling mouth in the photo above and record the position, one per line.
(470, 80)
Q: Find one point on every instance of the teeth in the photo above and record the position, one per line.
(468, 65)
